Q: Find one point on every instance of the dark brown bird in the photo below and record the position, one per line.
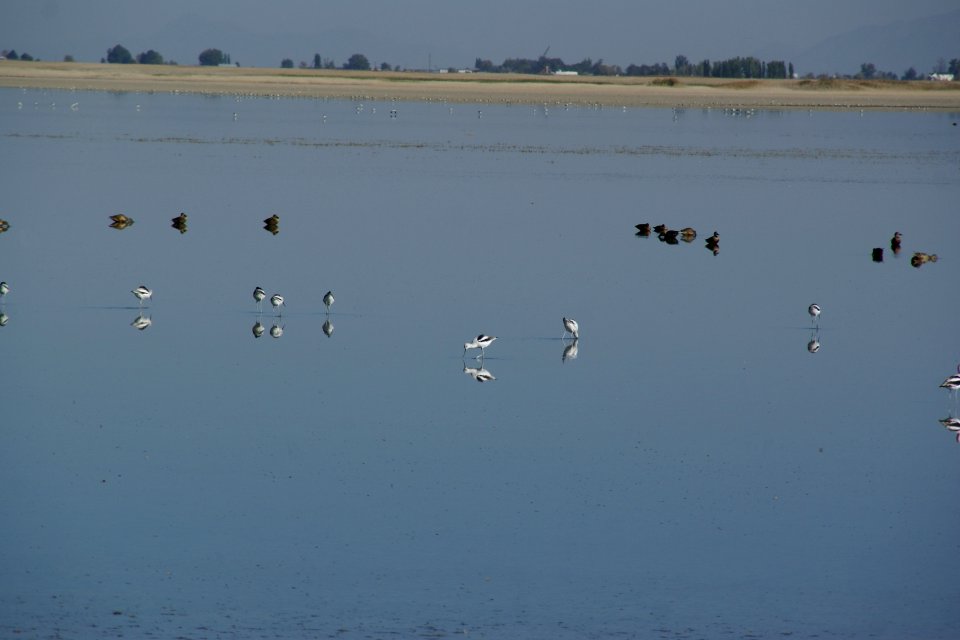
(120, 221)
(920, 258)
(180, 223)
(643, 228)
(661, 228)
(272, 224)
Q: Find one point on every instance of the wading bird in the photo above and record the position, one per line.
(952, 382)
(480, 342)
(259, 294)
(570, 326)
(142, 293)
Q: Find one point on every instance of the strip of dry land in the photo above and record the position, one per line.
(685, 92)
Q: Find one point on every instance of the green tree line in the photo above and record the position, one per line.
(119, 54)
(748, 67)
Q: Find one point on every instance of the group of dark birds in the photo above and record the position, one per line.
(918, 259)
(674, 236)
(121, 221)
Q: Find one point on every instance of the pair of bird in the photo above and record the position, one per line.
(277, 300)
(483, 341)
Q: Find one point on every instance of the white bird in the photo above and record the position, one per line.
(814, 311)
(4, 289)
(480, 342)
(258, 295)
(570, 326)
(142, 293)
(277, 301)
(328, 300)
(952, 382)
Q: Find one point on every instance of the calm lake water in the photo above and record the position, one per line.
(709, 465)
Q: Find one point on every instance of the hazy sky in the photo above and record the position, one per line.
(451, 32)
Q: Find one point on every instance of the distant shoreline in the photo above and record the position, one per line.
(491, 88)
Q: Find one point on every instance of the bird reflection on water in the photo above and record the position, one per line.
(276, 331)
(141, 322)
(258, 328)
(479, 373)
(952, 424)
(327, 328)
(814, 344)
(571, 351)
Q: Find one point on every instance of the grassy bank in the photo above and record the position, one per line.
(487, 87)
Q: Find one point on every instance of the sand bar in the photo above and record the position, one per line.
(486, 87)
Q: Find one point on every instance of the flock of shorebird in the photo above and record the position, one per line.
(483, 341)
(674, 236)
(918, 259)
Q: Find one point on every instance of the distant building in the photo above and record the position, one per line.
(565, 73)
(942, 77)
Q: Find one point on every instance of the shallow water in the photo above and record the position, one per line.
(694, 472)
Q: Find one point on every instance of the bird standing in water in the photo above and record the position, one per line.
(259, 294)
(480, 342)
(142, 293)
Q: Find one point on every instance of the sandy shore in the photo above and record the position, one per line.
(487, 88)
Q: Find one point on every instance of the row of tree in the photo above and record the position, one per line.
(119, 54)
(738, 67)
(748, 67)
(356, 62)
(13, 55)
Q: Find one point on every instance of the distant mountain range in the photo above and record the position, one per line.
(891, 47)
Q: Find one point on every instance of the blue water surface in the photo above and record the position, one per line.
(711, 463)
